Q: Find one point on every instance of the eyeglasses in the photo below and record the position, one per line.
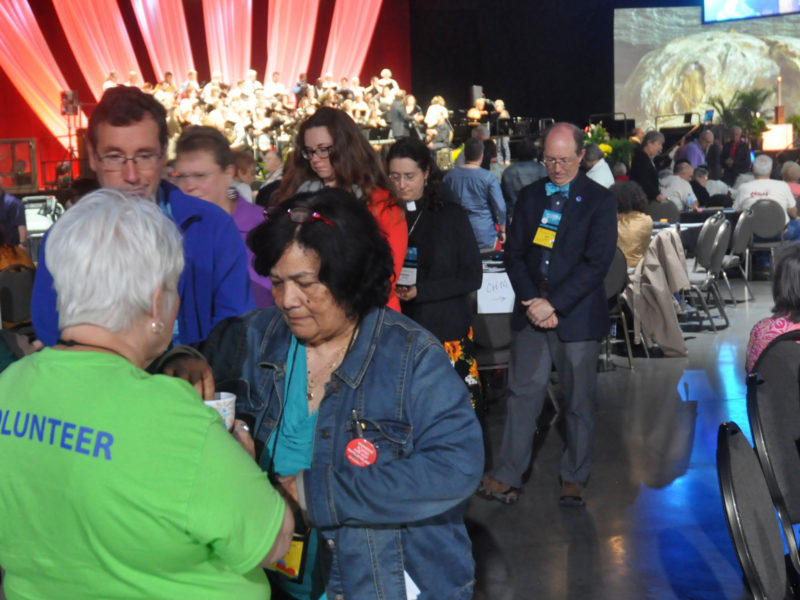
(561, 162)
(321, 152)
(116, 161)
(298, 214)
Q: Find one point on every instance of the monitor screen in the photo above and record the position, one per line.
(668, 63)
(728, 10)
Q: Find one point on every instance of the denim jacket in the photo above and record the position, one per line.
(402, 513)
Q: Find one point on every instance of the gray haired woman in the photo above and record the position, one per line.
(114, 482)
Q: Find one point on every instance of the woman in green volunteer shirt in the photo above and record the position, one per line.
(116, 483)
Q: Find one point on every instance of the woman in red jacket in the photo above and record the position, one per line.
(331, 151)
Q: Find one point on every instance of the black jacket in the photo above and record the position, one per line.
(741, 161)
(643, 172)
(448, 269)
(583, 250)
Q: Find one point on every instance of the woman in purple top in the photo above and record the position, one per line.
(204, 167)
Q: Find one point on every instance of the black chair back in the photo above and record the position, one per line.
(768, 219)
(16, 291)
(706, 238)
(750, 515)
(492, 337)
(617, 277)
(773, 409)
(720, 247)
(663, 210)
(742, 233)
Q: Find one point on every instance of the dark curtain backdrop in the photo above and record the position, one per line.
(545, 58)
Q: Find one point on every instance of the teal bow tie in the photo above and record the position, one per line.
(551, 188)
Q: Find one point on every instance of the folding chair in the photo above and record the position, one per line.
(751, 516)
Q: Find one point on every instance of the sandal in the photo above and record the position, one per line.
(508, 496)
(571, 495)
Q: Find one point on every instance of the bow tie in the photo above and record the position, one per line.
(551, 188)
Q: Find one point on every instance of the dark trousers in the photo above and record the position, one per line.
(533, 352)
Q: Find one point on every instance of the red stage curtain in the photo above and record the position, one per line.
(350, 36)
(99, 40)
(28, 62)
(163, 27)
(290, 38)
(228, 35)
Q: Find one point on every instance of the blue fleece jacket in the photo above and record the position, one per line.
(214, 284)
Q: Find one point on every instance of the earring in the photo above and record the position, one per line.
(157, 327)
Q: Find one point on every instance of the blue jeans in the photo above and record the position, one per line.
(792, 230)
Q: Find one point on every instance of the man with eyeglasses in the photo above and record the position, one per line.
(561, 243)
(126, 144)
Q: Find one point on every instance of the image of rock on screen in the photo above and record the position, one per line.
(666, 61)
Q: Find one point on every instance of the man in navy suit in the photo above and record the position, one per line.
(562, 241)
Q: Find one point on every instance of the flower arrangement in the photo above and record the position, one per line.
(614, 149)
(595, 134)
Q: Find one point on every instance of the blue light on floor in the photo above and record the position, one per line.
(734, 390)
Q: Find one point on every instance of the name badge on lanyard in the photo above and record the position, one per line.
(548, 227)
(408, 274)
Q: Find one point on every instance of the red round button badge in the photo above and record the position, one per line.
(361, 452)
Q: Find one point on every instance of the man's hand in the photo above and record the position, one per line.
(194, 370)
(549, 323)
(539, 310)
(661, 198)
(502, 236)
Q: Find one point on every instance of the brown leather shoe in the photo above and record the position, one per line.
(571, 494)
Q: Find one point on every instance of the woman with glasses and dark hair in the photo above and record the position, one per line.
(331, 151)
(443, 263)
(357, 413)
(786, 312)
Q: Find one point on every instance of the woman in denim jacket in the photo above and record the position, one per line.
(356, 412)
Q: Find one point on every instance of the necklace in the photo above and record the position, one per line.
(73, 343)
(312, 382)
(329, 369)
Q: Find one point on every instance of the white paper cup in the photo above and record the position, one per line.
(225, 404)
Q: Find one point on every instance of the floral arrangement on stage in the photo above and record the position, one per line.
(614, 149)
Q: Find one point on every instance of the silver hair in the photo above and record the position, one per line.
(652, 136)
(108, 254)
(762, 166)
(593, 153)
